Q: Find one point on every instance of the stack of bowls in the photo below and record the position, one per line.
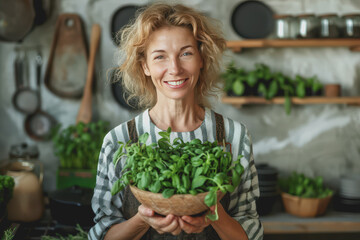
(269, 193)
(349, 193)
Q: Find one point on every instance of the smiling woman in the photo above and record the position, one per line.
(170, 63)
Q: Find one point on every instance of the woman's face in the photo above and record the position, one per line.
(173, 62)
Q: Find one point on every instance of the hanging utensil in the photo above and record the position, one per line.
(253, 19)
(65, 74)
(25, 99)
(19, 18)
(122, 17)
(85, 110)
(39, 124)
(119, 92)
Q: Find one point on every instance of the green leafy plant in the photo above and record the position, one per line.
(7, 184)
(235, 80)
(9, 234)
(178, 167)
(298, 184)
(78, 146)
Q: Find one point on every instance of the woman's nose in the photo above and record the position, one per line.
(175, 67)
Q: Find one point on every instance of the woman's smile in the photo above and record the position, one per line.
(177, 83)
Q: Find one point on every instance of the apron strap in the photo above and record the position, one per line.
(132, 130)
(220, 128)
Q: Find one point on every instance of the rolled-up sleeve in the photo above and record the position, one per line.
(105, 206)
(243, 200)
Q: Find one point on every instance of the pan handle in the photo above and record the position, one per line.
(18, 70)
(85, 111)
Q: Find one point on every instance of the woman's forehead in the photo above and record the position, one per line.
(176, 37)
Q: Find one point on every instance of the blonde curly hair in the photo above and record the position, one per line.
(134, 36)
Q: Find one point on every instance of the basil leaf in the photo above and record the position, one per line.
(168, 192)
(198, 181)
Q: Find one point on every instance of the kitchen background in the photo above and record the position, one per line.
(315, 139)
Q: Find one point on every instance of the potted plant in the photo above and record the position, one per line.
(235, 80)
(303, 196)
(78, 147)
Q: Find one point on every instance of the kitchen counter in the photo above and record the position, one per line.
(331, 222)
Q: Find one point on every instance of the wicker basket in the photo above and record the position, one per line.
(305, 207)
(178, 204)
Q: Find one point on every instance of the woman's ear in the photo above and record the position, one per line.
(145, 68)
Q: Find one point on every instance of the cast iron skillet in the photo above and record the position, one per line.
(252, 19)
(119, 93)
(121, 17)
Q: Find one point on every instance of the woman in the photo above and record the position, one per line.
(171, 65)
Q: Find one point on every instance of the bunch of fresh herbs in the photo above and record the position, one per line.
(78, 146)
(298, 184)
(178, 167)
(80, 235)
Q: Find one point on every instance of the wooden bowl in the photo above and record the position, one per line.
(305, 207)
(178, 204)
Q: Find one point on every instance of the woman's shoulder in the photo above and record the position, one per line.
(120, 132)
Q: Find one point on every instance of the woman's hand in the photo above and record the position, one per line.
(168, 224)
(195, 224)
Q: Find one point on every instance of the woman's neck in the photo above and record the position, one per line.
(180, 117)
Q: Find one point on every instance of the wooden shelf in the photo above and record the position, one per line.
(237, 46)
(331, 222)
(238, 101)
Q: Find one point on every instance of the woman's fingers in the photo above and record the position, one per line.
(188, 228)
(146, 211)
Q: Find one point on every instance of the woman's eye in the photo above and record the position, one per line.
(187, 53)
(159, 57)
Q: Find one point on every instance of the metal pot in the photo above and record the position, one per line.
(19, 17)
(72, 206)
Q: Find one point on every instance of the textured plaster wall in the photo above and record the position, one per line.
(315, 139)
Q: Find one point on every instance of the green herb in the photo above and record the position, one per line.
(6, 191)
(298, 184)
(81, 235)
(78, 146)
(178, 167)
(9, 234)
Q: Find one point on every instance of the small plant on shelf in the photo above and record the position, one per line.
(264, 83)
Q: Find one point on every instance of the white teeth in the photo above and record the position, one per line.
(176, 83)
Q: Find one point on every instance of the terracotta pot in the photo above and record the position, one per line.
(332, 90)
(305, 207)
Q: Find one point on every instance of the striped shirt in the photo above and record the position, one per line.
(242, 206)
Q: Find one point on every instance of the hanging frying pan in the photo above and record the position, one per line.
(19, 17)
(121, 17)
(119, 93)
(252, 19)
(25, 99)
(39, 124)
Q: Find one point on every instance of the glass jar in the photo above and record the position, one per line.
(330, 26)
(351, 25)
(308, 26)
(284, 26)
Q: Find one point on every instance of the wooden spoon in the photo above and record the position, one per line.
(85, 110)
